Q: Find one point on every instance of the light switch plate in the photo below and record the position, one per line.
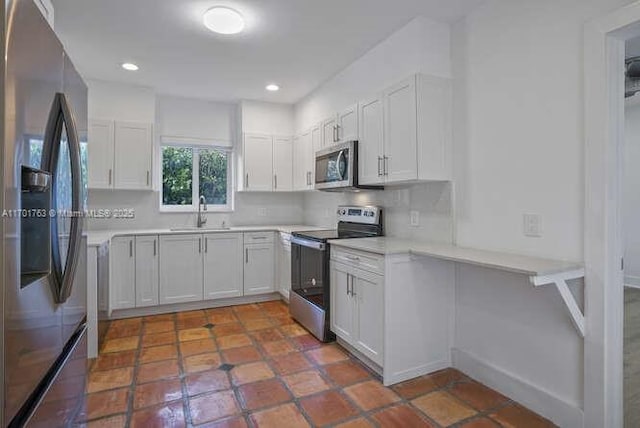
(414, 218)
(532, 225)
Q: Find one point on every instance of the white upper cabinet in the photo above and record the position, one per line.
(341, 127)
(147, 270)
(400, 133)
(405, 133)
(133, 155)
(100, 148)
(329, 131)
(303, 162)
(371, 143)
(347, 125)
(434, 128)
(223, 268)
(181, 272)
(258, 163)
(282, 164)
(316, 140)
(120, 155)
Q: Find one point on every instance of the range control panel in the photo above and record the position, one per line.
(362, 214)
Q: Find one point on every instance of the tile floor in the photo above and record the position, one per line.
(252, 365)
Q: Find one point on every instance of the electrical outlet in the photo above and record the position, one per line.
(532, 225)
(262, 212)
(414, 218)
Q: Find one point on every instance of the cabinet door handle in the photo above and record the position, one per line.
(206, 245)
(110, 176)
(275, 181)
(154, 248)
(354, 258)
(147, 178)
(353, 293)
(386, 165)
(246, 255)
(379, 166)
(131, 248)
(246, 180)
(338, 133)
(199, 245)
(348, 276)
(258, 237)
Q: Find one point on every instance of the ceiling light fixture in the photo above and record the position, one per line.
(129, 66)
(223, 20)
(272, 87)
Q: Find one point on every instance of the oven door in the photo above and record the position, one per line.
(310, 271)
(335, 166)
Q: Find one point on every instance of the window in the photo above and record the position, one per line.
(189, 172)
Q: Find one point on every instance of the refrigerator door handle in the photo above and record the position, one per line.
(61, 117)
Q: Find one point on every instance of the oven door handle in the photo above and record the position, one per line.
(296, 240)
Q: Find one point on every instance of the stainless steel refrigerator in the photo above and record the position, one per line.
(43, 254)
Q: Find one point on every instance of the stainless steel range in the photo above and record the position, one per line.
(310, 286)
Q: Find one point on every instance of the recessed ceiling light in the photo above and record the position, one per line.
(129, 66)
(272, 87)
(223, 20)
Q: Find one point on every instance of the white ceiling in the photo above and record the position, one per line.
(295, 43)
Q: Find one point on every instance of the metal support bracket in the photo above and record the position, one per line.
(560, 281)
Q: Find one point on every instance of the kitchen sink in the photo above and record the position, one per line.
(203, 229)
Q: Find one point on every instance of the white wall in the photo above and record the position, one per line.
(519, 149)
(115, 101)
(266, 118)
(211, 122)
(431, 200)
(420, 46)
(631, 195)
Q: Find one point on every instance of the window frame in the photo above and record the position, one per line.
(195, 179)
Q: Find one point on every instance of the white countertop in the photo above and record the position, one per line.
(527, 265)
(99, 237)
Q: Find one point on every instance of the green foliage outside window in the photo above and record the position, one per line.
(213, 176)
(177, 175)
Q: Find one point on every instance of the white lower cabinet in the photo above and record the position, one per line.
(123, 273)
(342, 305)
(259, 272)
(283, 264)
(367, 289)
(223, 269)
(394, 310)
(181, 272)
(147, 270)
(357, 314)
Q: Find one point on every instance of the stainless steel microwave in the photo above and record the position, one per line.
(337, 168)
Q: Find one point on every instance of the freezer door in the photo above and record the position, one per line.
(63, 390)
(32, 320)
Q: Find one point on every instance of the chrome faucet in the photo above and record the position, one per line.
(201, 220)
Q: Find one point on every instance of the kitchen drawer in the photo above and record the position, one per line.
(366, 261)
(258, 237)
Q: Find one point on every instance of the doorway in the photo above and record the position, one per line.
(604, 242)
(630, 203)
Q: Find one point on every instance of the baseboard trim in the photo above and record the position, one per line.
(401, 376)
(193, 306)
(543, 402)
